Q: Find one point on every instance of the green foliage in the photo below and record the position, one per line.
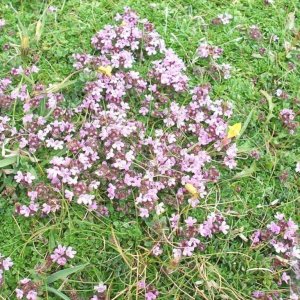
(249, 196)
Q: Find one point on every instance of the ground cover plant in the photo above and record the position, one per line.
(149, 150)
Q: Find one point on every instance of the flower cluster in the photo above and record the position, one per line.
(224, 19)
(206, 50)
(114, 138)
(5, 264)
(169, 72)
(287, 116)
(139, 143)
(62, 254)
(20, 71)
(281, 235)
(216, 70)
(27, 290)
(255, 33)
(150, 292)
(100, 292)
(281, 94)
(191, 232)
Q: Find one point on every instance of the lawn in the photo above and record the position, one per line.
(190, 215)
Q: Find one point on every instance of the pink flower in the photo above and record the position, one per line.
(193, 202)
(32, 295)
(19, 293)
(19, 177)
(279, 247)
(188, 251)
(190, 221)
(177, 253)
(46, 208)
(279, 216)
(32, 195)
(144, 212)
(156, 250)
(205, 50)
(225, 18)
(70, 252)
(141, 284)
(294, 296)
(224, 227)
(29, 178)
(7, 263)
(85, 199)
(27, 290)
(274, 228)
(111, 191)
(69, 195)
(286, 278)
(151, 295)
(230, 163)
(100, 288)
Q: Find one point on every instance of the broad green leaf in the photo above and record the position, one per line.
(57, 293)
(290, 22)
(245, 125)
(257, 55)
(247, 172)
(8, 161)
(60, 275)
(270, 103)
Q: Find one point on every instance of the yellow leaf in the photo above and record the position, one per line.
(234, 130)
(105, 70)
(192, 190)
(38, 30)
(24, 45)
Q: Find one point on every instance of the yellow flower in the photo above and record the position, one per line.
(105, 70)
(123, 23)
(192, 190)
(234, 130)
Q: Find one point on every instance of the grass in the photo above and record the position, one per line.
(115, 248)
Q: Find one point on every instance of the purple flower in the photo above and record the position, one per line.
(85, 199)
(286, 278)
(190, 221)
(274, 228)
(258, 294)
(52, 9)
(100, 288)
(144, 212)
(27, 290)
(151, 295)
(5, 265)
(62, 254)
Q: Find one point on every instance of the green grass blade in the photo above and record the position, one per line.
(58, 293)
(7, 161)
(64, 273)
